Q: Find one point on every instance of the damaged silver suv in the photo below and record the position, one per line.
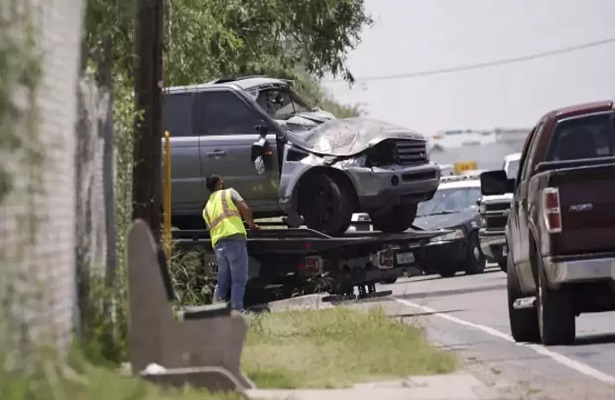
(287, 157)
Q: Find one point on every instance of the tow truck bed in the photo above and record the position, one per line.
(291, 256)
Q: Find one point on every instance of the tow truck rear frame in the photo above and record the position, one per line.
(304, 260)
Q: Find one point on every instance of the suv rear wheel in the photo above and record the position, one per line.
(394, 219)
(326, 204)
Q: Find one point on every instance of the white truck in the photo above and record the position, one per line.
(494, 212)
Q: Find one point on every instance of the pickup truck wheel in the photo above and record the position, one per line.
(556, 318)
(524, 322)
(475, 261)
(394, 219)
(326, 205)
(448, 273)
(502, 264)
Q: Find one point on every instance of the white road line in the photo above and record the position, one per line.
(557, 357)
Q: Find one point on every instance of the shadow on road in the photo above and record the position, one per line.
(451, 292)
(424, 314)
(432, 277)
(599, 338)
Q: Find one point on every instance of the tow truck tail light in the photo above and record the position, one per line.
(313, 264)
(551, 209)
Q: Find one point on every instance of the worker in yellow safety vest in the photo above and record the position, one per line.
(222, 214)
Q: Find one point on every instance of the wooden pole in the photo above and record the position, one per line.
(146, 179)
(167, 196)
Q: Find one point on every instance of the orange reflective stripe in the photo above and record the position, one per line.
(226, 212)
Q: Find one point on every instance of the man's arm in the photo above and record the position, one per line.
(243, 208)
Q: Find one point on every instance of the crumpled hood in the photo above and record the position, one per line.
(306, 120)
(444, 221)
(349, 136)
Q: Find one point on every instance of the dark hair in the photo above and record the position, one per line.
(212, 182)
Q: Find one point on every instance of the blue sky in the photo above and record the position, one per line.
(411, 35)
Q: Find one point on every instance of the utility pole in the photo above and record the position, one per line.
(146, 179)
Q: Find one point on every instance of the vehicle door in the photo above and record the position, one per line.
(519, 207)
(227, 125)
(186, 185)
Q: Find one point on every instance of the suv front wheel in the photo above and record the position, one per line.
(326, 205)
(394, 219)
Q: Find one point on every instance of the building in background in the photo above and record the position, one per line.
(487, 148)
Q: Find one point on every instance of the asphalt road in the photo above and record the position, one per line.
(468, 314)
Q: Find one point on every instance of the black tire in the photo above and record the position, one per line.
(502, 264)
(389, 281)
(523, 323)
(326, 205)
(475, 260)
(556, 318)
(394, 219)
(449, 273)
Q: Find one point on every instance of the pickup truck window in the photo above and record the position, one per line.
(223, 113)
(584, 137)
(512, 168)
(177, 114)
(529, 148)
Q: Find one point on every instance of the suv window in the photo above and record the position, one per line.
(221, 113)
(584, 137)
(280, 102)
(177, 114)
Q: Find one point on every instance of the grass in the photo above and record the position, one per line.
(95, 383)
(335, 348)
(327, 348)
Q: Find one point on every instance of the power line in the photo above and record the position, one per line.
(480, 65)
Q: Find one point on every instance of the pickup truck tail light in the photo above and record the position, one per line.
(552, 211)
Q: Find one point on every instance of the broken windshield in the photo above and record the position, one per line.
(280, 102)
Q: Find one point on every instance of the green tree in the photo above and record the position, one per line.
(211, 38)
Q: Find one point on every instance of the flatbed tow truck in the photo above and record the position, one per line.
(302, 260)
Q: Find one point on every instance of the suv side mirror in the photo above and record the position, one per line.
(260, 147)
(495, 182)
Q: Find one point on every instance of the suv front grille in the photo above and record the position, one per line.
(411, 151)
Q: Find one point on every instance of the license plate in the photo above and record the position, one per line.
(405, 258)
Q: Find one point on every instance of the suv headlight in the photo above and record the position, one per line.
(457, 234)
(482, 208)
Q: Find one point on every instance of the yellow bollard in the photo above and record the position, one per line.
(167, 197)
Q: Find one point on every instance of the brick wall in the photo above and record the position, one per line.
(44, 286)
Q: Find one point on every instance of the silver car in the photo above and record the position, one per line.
(287, 157)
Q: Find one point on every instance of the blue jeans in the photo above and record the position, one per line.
(232, 255)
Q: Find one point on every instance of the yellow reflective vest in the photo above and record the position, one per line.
(222, 217)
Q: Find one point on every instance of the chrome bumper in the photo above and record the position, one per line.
(588, 270)
(490, 241)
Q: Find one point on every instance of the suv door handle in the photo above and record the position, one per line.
(216, 153)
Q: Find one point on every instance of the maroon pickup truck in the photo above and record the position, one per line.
(560, 233)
